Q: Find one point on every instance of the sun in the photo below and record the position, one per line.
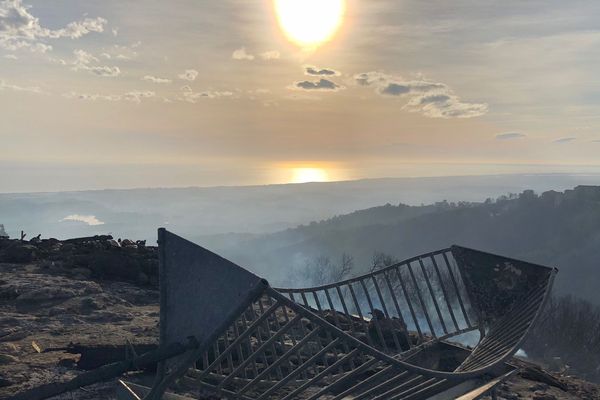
(309, 23)
(303, 175)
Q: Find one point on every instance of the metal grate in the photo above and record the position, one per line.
(359, 338)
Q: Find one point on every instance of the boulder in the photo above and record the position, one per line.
(7, 359)
(19, 252)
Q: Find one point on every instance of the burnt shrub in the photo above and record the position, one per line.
(568, 334)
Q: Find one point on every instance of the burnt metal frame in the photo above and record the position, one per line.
(401, 379)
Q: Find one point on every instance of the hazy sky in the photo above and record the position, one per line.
(168, 93)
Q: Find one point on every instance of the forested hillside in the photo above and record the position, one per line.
(555, 228)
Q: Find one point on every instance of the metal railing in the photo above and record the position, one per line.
(350, 339)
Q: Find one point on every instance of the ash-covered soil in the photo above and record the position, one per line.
(44, 309)
(52, 301)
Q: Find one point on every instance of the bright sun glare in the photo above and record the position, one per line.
(309, 22)
(302, 175)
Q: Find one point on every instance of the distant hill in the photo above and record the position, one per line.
(194, 212)
(555, 228)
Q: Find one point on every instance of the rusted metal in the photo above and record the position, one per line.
(360, 338)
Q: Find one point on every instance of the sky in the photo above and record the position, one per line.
(118, 94)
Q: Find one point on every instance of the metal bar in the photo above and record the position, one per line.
(487, 353)
(262, 348)
(245, 322)
(236, 334)
(364, 384)
(362, 368)
(318, 302)
(337, 322)
(362, 318)
(291, 376)
(397, 306)
(216, 354)
(277, 325)
(305, 300)
(358, 278)
(269, 336)
(445, 292)
(179, 370)
(412, 275)
(205, 360)
(395, 379)
(345, 308)
(387, 314)
(458, 295)
(361, 384)
(410, 306)
(418, 389)
(386, 395)
(424, 393)
(397, 363)
(377, 323)
(503, 337)
(435, 303)
(242, 337)
(291, 351)
(195, 381)
(401, 395)
(321, 375)
(303, 329)
(292, 336)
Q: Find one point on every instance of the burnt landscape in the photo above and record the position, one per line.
(72, 306)
(299, 200)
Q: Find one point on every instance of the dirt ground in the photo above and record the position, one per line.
(44, 308)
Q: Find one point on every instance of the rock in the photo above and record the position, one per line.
(81, 273)
(45, 294)
(5, 382)
(539, 387)
(7, 359)
(68, 363)
(90, 303)
(9, 348)
(13, 336)
(19, 252)
(128, 244)
(142, 279)
(543, 396)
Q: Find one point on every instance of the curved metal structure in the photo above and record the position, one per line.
(383, 335)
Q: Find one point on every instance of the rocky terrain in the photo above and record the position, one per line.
(67, 306)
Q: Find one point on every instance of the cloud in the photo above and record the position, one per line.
(6, 86)
(120, 52)
(192, 97)
(565, 140)
(11, 57)
(314, 71)
(188, 75)
(240, 54)
(510, 135)
(370, 78)
(84, 62)
(135, 96)
(321, 84)
(86, 219)
(155, 79)
(19, 29)
(92, 97)
(270, 55)
(432, 99)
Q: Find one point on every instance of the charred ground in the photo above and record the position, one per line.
(66, 306)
